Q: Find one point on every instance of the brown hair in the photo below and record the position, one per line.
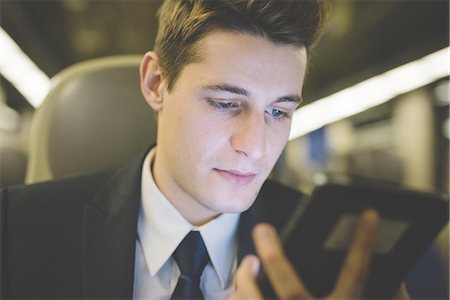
(184, 22)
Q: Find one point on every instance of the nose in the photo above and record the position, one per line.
(249, 136)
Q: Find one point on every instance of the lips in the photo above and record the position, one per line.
(236, 177)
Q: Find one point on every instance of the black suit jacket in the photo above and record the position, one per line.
(75, 237)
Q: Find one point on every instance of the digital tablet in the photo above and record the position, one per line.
(317, 236)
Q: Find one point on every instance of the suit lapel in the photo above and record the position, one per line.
(247, 221)
(109, 235)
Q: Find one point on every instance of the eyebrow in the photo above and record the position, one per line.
(243, 92)
(227, 88)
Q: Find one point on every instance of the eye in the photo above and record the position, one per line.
(226, 105)
(277, 113)
(223, 106)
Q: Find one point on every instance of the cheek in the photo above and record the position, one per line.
(203, 136)
(276, 142)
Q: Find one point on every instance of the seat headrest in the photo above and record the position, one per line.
(93, 117)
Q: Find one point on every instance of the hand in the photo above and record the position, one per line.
(287, 285)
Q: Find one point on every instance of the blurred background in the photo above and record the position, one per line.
(396, 131)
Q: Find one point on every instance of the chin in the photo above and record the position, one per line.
(234, 203)
(234, 209)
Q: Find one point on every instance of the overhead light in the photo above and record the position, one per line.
(370, 93)
(21, 72)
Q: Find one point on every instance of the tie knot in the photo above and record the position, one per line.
(191, 255)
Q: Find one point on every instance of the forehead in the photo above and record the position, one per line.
(246, 60)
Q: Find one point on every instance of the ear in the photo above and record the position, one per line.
(151, 80)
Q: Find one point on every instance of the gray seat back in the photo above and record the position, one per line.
(93, 117)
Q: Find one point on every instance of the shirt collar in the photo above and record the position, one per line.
(161, 228)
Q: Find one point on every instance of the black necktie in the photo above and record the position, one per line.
(191, 257)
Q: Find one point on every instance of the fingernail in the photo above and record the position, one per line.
(252, 262)
(264, 232)
(370, 216)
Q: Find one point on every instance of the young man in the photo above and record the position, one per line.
(224, 79)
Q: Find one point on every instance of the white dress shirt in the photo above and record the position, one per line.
(160, 230)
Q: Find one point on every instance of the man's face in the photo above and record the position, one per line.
(225, 122)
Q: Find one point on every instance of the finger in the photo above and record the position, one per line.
(246, 287)
(401, 293)
(280, 272)
(353, 275)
